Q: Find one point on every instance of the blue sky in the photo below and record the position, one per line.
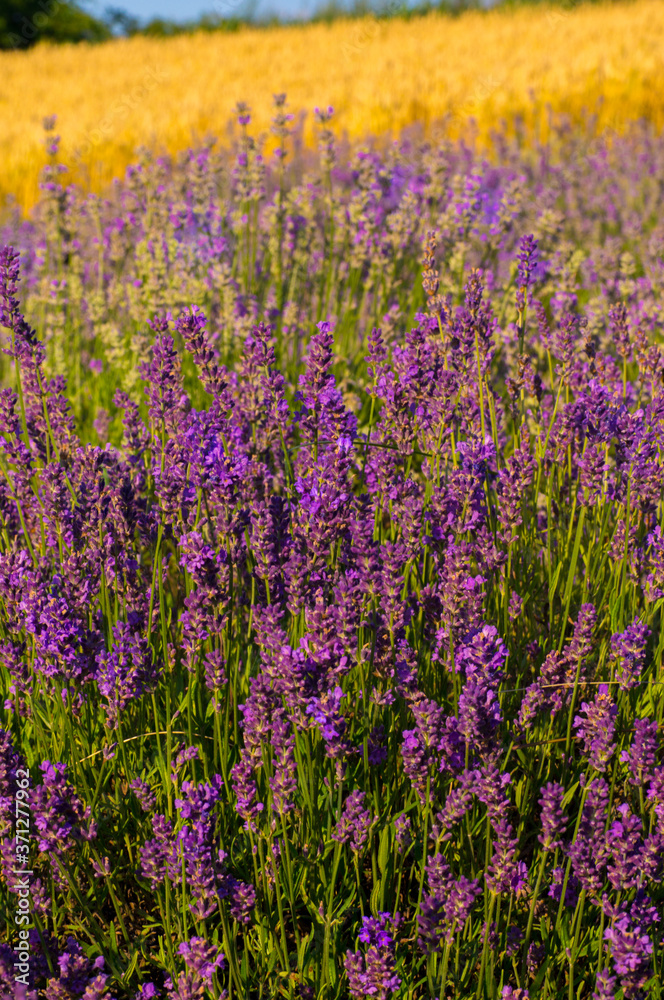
(177, 10)
(185, 10)
(191, 10)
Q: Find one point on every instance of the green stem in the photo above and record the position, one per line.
(280, 908)
(289, 877)
(531, 914)
(328, 920)
(443, 975)
(575, 948)
(425, 844)
(485, 946)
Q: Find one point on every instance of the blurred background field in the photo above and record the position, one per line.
(381, 75)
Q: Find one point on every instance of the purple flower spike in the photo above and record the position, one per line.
(355, 823)
(201, 958)
(605, 986)
(403, 835)
(629, 647)
(483, 657)
(372, 973)
(147, 991)
(78, 976)
(59, 815)
(598, 727)
(553, 818)
(631, 953)
(162, 375)
(127, 672)
(640, 758)
(447, 906)
(192, 327)
(527, 262)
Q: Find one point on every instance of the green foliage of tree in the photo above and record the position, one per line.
(25, 22)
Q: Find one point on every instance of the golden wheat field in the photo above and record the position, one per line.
(379, 75)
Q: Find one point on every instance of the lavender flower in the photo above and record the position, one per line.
(372, 973)
(192, 845)
(632, 859)
(147, 991)
(59, 816)
(181, 755)
(201, 958)
(242, 898)
(78, 975)
(536, 953)
(420, 744)
(605, 986)
(629, 647)
(246, 790)
(589, 852)
(187, 987)
(159, 855)
(514, 938)
(598, 727)
(435, 742)
(192, 327)
(455, 808)
(447, 907)
(631, 953)
(656, 795)
(162, 375)
(236, 555)
(514, 482)
(402, 825)
(640, 758)
(556, 887)
(619, 328)
(527, 261)
(283, 782)
(553, 818)
(126, 672)
(355, 823)
(325, 712)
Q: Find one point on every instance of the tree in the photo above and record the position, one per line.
(24, 22)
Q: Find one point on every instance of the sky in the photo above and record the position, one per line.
(175, 10)
(191, 10)
(185, 10)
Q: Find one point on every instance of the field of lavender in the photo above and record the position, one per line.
(332, 574)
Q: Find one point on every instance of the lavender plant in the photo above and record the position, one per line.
(332, 573)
